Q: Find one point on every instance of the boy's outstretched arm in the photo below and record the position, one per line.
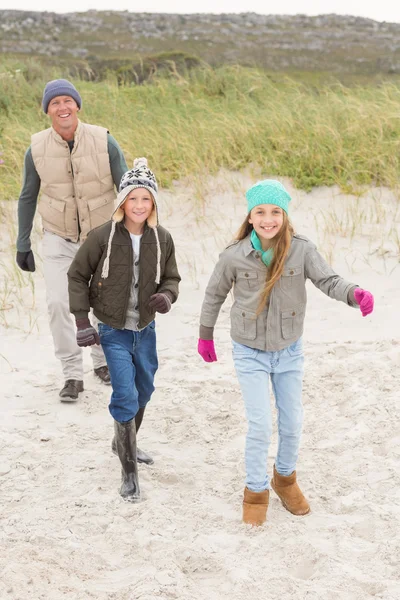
(80, 273)
(169, 284)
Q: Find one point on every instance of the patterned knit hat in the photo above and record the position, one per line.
(138, 177)
(268, 191)
(59, 87)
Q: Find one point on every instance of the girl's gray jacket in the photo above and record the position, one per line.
(281, 323)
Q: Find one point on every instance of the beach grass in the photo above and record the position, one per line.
(229, 117)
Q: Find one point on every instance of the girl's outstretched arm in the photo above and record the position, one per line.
(324, 278)
(218, 288)
(365, 300)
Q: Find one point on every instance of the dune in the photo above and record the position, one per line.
(64, 530)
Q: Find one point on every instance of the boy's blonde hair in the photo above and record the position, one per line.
(280, 244)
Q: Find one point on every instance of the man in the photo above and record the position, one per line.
(75, 166)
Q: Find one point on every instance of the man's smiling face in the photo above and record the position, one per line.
(63, 112)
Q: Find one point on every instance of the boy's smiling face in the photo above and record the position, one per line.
(137, 207)
(267, 220)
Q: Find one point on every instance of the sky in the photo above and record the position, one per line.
(382, 10)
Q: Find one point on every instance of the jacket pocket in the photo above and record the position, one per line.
(100, 210)
(53, 211)
(292, 322)
(243, 323)
(248, 278)
(290, 277)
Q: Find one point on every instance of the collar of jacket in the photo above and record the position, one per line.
(247, 246)
(122, 227)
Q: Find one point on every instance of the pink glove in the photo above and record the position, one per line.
(365, 300)
(206, 350)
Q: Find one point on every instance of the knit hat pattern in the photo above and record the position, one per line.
(59, 87)
(138, 177)
(268, 191)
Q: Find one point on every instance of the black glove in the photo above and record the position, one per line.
(26, 261)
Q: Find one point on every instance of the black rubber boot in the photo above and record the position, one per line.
(125, 442)
(139, 418)
(142, 457)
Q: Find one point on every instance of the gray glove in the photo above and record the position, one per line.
(86, 334)
(160, 303)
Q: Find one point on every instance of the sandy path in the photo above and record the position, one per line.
(65, 532)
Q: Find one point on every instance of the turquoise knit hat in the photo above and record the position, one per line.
(268, 191)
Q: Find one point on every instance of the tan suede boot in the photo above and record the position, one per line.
(255, 506)
(290, 494)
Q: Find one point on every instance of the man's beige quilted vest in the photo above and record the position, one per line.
(74, 185)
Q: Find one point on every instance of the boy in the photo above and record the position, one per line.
(126, 270)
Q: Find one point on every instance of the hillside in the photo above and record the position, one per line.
(329, 43)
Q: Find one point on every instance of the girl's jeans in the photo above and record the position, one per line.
(253, 369)
(132, 362)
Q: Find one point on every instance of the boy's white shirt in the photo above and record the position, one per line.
(132, 315)
(136, 244)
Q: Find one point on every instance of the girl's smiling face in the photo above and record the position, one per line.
(267, 220)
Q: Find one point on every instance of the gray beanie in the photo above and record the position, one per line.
(59, 87)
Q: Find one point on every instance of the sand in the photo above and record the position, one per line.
(64, 530)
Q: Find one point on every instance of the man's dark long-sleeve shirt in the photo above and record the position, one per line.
(27, 202)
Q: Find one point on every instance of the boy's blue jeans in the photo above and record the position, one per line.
(132, 362)
(285, 368)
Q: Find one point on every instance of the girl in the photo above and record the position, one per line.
(268, 265)
(126, 271)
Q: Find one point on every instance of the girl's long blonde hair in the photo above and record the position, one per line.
(280, 244)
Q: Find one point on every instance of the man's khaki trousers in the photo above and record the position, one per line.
(58, 255)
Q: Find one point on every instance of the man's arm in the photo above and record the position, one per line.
(27, 203)
(117, 160)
